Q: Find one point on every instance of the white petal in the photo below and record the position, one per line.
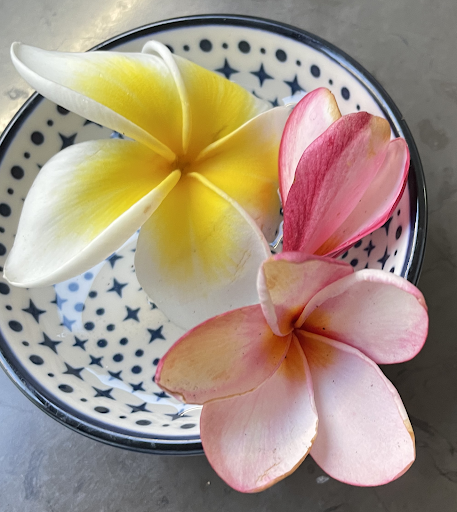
(85, 203)
(134, 94)
(199, 254)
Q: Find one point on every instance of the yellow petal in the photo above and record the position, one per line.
(245, 166)
(97, 194)
(199, 254)
(134, 94)
(154, 47)
(217, 106)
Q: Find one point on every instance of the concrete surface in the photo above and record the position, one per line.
(410, 47)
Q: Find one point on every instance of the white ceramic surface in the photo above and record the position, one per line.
(87, 349)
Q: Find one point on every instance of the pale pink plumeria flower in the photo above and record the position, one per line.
(298, 374)
(340, 176)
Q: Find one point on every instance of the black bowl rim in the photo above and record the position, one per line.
(416, 186)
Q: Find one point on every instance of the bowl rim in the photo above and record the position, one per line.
(416, 186)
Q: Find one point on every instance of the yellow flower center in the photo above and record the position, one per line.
(183, 163)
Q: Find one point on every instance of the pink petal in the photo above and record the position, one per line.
(381, 314)
(257, 439)
(332, 176)
(287, 281)
(365, 437)
(227, 355)
(378, 202)
(309, 119)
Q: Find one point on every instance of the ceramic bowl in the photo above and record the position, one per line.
(86, 350)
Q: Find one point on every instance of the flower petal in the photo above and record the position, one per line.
(378, 202)
(228, 355)
(199, 254)
(97, 194)
(134, 94)
(365, 437)
(331, 178)
(309, 119)
(217, 106)
(154, 47)
(257, 439)
(287, 281)
(244, 165)
(381, 314)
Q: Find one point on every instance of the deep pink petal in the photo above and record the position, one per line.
(332, 177)
(257, 439)
(227, 355)
(377, 312)
(378, 202)
(365, 437)
(287, 281)
(310, 118)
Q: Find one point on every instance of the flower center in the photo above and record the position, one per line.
(183, 163)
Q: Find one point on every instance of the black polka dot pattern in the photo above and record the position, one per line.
(37, 138)
(101, 410)
(5, 210)
(17, 172)
(15, 326)
(315, 71)
(36, 359)
(244, 47)
(206, 45)
(143, 422)
(4, 288)
(281, 55)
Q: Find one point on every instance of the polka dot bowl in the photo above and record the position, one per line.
(86, 350)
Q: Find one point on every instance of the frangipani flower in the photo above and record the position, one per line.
(199, 178)
(297, 374)
(340, 177)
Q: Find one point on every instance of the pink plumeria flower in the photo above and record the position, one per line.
(340, 176)
(297, 374)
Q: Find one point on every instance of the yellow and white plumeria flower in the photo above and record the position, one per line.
(199, 177)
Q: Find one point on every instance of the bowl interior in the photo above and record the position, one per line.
(87, 349)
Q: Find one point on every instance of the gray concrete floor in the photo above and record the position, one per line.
(410, 47)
